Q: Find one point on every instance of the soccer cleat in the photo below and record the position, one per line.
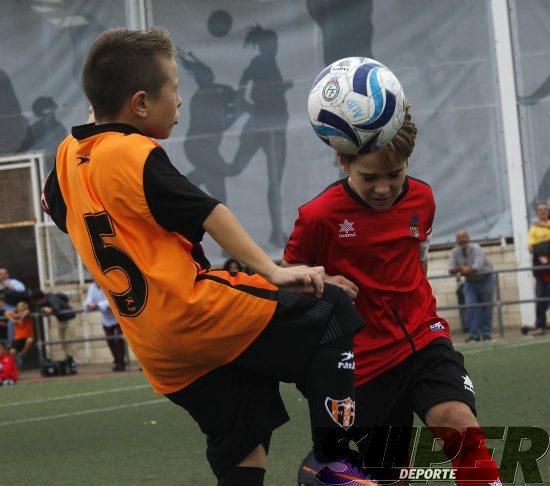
(339, 473)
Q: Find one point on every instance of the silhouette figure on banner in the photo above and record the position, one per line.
(346, 27)
(541, 92)
(346, 30)
(82, 31)
(212, 111)
(543, 191)
(261, 93)
(14, 124)
(46, 133)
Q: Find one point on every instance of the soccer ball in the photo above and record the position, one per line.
(356, 105)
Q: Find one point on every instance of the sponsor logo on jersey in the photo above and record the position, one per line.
(346, 229)
(341, 412)
(437, 326)
(468, 385)
(347, 361)
(413, 225)
(83, 159)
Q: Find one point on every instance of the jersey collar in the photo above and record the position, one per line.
(356, 197)
(81, 132)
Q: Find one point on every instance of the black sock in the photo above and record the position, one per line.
(243, 476)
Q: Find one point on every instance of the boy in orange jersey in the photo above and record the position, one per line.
(23, 329)
(224, 341)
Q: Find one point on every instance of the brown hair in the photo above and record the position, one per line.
(122, 62)
(401, 146)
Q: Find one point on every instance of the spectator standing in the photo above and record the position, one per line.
(3, 318)
(23, 331)
(539, 247)
(8, 369)
(10, 286)
(58, 305)
(96, 300)
(468, 260)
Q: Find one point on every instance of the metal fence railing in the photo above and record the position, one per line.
(497, 302)
(44, 344)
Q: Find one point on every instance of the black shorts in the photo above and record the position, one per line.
(432, 375)
(237, 406)
(19, 344)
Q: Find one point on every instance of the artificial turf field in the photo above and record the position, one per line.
(112, 429)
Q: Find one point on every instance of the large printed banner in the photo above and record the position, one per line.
(260, 156)
(531, 36)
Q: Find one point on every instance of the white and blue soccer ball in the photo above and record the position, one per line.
(356, 105)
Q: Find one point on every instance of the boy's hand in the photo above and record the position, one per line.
(47, 311)
(347, 285)
(301, 279)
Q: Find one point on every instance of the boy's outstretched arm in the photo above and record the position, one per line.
(225, 229)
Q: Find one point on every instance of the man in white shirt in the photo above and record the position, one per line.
(95, 300)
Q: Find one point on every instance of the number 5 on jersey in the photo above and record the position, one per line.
(109, 257)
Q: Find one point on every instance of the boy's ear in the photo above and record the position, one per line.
(344, 164)
(139, 105)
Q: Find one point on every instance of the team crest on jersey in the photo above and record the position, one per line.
(346, 229)
(413, 226)
(341, 411)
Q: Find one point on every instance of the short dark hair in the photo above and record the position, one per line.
(122, 62)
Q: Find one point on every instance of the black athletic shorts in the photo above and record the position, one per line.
(19, 344)
(237, 406)
(430, 376)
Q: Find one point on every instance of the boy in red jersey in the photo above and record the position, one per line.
(370, 231)
(8, 369)
(213, 343)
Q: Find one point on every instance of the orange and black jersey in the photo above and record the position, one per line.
(137, 224)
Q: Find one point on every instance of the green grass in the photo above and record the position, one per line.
(113, 430)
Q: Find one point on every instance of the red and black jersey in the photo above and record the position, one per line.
(380, 252)
(137, 224)
(8, 368)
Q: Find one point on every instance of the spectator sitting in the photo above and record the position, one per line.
(8, 368)
(95, 299)
(469, 260)
(57, 304)
(232, 266)
(23, 331)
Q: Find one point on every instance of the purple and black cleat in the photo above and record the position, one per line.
(338, 473)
